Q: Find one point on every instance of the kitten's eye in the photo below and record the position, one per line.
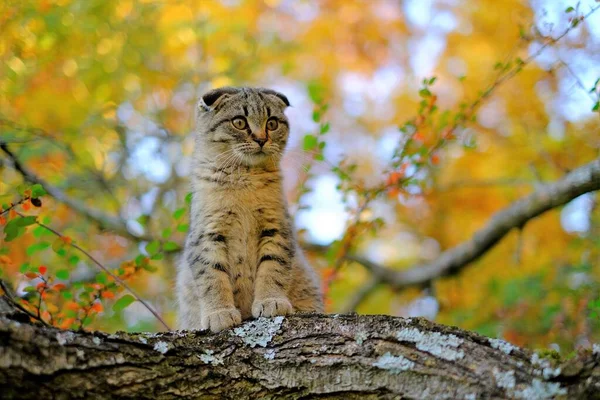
(239, 123)
(272, 124)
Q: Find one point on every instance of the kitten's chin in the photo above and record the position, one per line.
(259, 158)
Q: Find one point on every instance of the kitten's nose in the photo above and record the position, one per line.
(261, 141)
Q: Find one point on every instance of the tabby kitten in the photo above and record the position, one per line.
(241, 257)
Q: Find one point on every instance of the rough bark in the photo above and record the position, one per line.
(298, 357)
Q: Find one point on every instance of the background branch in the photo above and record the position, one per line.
(103, 220)
(582, 180)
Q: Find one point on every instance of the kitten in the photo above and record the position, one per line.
(241, 258)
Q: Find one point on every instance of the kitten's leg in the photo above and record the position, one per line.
(273, 275)
(188, 316)
(207, 258)
(305, 293)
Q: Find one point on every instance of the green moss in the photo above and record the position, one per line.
(549, 354)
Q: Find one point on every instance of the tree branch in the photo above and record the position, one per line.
(302, 356)
(104, 221)
(582, 180)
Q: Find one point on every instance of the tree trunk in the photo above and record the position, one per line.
(303, 356)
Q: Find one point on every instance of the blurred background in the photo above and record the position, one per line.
(413, 122)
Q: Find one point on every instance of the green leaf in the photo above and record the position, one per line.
(424, 92)
(143, 219)
(37, 190)
(141, 260)
(310, 142)
(153, 247)
(149, 267)
(166, 233)
(315, 91)
(432, 80)
(316, 116)
(36, 247)
(24, 267)
(12, 229)
(188, 198)
(123, 303)
(66, 295)
(102, 278)
(26, 221)
(157, 256)
(63, 274)
(183, 228)
(325, 128)
(179, 213)
(170, 246)
(596, 106)
(569, 9)
(73, 260)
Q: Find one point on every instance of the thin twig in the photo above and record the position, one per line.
(103, 268)
(15, 303)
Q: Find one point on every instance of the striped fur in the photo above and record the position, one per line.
(241, 257)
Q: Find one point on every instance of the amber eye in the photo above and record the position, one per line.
(239, 123)
(272, 124)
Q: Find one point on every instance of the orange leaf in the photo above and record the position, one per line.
(5, 260)
(12, 213)
(40, 285)
(419, 136)
(66, 324)
(435, 159)
(26, 206)
(108, 295)
(393, 192)
(66, 239)
(59, 286)
(42, 269)
(71, 305)
(2, 220)
(98, 307)
(32, 275)
(45, 315)
(394, 177)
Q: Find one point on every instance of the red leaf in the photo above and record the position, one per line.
(42, 269)
(31, 275)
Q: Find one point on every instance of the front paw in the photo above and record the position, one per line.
(271, 307)
(222, 319)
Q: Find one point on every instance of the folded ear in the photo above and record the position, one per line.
(278, 95)
(212, 98)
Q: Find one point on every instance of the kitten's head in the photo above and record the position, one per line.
(243, 125)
